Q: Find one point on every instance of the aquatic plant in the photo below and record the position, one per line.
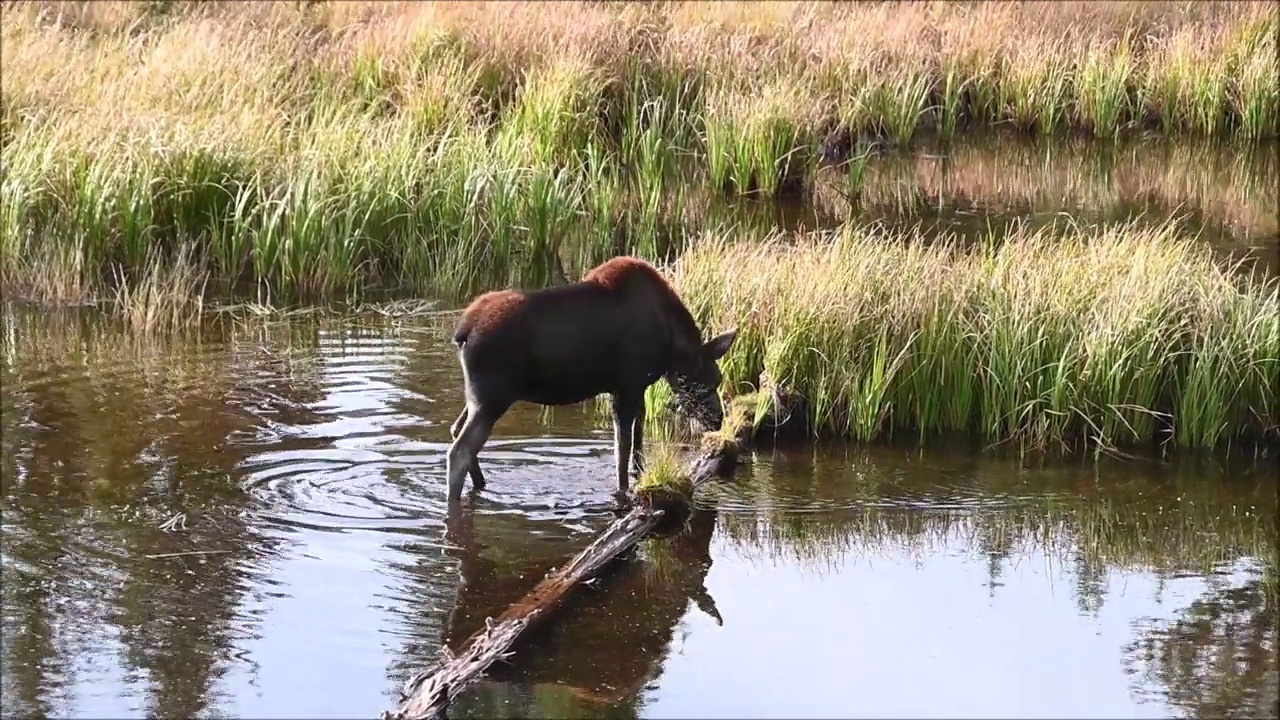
(1126, 335)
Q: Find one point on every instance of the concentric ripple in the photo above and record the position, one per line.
(367, 447)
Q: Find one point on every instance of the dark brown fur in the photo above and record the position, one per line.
(616, 331)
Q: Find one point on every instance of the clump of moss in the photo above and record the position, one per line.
(664, 484)
(743, 410)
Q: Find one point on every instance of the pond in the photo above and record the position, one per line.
(979, 186)
(250, 521)
(253, 524)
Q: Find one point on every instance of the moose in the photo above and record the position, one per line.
(616, 332)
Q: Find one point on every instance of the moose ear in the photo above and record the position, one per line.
(717, 346)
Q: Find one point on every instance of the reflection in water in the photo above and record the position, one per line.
(975, 186)
(575, 669)
(106, 439)
(1229, 194)
(1217, 658)
(250, 522)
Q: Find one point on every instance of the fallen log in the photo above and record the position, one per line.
(663, 496)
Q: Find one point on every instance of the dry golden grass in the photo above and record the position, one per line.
(237, 70)
(313, 149)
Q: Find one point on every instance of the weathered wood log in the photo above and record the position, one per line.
(428, 694)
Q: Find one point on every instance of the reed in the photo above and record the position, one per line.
(1126, 336)
(320, 149)
(755, 142)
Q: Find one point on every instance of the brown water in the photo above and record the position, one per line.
(252, 523)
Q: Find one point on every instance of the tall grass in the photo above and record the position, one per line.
(1126, 336)
(322, 149)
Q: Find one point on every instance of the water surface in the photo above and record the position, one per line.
(978, 187)
(251, 522)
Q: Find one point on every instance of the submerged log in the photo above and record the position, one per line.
(659, 500)
(607, 643)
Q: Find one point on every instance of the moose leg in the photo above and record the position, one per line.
(624, 415)
(637, 441)
(456, 427)
(462, 453)
(473, 467)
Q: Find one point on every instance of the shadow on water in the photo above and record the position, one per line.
(250, 522)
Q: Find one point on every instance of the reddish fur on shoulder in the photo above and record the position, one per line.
(619, 273)
(488, 310)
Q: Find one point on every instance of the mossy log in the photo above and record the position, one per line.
(659, 497)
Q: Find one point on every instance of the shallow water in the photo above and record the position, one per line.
(978, 186)
(252, 523)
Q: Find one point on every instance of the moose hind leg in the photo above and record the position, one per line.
(463, 453)
(473, 467)
(456, 427)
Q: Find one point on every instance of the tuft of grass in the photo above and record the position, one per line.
(664, 483)
(742, 411)
(897, 104)
(755, 143)
(1128, 335)
(167, 298)
(1038, 87)
(1103, 102)
(1255, 83)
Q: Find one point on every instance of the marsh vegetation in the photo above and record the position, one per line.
(943, 229)
(156, 151)
(1113, 337)
(166, 158)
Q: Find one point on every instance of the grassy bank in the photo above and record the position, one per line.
(1125, 337)
(327, 149)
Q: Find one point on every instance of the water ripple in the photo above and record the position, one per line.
(368, 450)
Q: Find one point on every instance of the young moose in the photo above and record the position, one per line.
(616, 331)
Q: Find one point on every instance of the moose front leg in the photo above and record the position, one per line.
(624, 416)
(637, 441)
